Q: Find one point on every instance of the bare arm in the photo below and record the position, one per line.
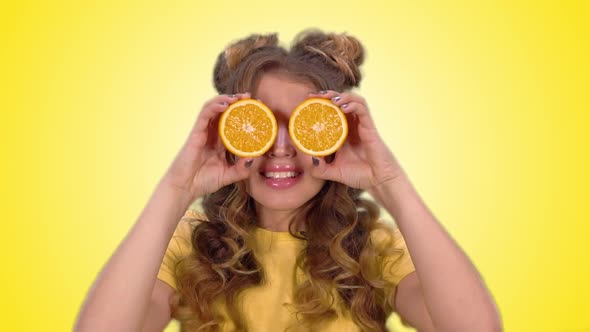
(450, 286)
(159, 312)
(120, 297)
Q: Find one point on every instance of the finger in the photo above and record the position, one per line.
(346, 98)
(359, 112)
(217, 105)
(245, 95)
(204, 131)
(240, 171)
(328, 94)
(344, 101)
(221, 100)
(353, 129)
(211, 110)
(325, 171)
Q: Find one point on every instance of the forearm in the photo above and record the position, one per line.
(120, 296)
(456, 296)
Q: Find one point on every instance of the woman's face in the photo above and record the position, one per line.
(280, 180)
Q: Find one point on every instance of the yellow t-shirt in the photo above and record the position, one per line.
(265, 307)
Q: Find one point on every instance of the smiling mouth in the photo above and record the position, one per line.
(280, 175)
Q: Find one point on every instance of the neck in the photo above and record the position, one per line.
(275, 220)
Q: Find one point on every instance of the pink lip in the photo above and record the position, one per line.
(280, 168)
(283, 183)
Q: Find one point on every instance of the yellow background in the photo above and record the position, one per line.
(485, 104)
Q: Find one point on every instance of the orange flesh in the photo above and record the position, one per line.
(318, 127)
(248, 128)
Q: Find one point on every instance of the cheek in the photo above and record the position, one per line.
(248, 185)
(317, 185)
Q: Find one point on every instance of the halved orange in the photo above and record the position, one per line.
(318, 127)
(248, 128)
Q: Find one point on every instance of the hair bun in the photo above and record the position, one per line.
(342, 51)
(235, 53)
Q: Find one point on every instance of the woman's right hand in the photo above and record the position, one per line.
(201, 167)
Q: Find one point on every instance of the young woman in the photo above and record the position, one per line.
(285, 241)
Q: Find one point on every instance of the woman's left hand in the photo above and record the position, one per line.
(364, 161)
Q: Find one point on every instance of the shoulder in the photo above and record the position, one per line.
(179, 247)
(392, 252)
(387, 238)
(191, 219)
(180, 243)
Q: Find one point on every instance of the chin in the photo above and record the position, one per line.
(284, 200)
(278, 204)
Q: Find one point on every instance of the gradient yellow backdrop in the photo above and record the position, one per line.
(485, 104)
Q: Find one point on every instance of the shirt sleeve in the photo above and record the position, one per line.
(395, 262)
(178, 248)
(399, 264)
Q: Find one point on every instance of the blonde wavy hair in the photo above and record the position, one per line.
(339, 253)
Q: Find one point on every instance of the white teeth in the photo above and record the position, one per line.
(280, 175)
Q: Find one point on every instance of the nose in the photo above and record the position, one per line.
(283, 146)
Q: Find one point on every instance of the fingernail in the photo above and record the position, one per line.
(232, 96)
(323, 92)
(248, 162)
(337, 98)
(344, 106)
(223, 103)
(315, 161)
